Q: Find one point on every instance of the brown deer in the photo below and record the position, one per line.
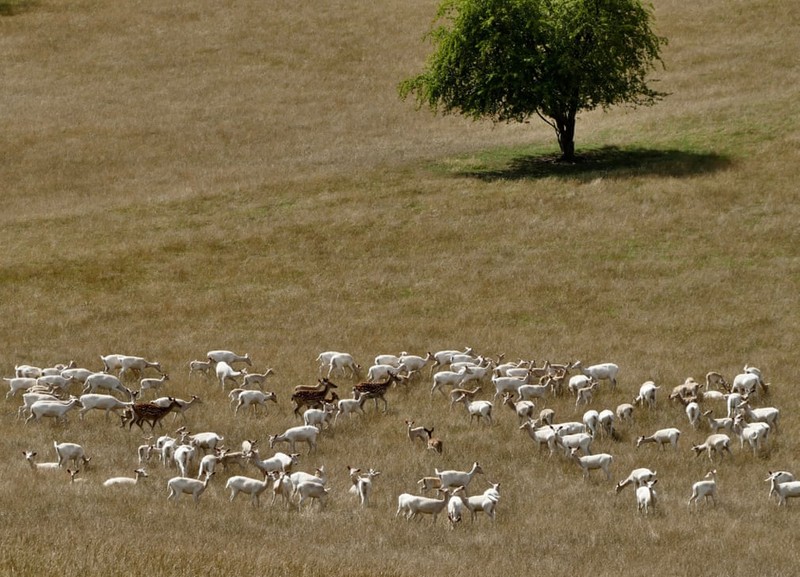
(312, 388)
(375, 391)
(434, 444)
(151, 413)
(314, 396)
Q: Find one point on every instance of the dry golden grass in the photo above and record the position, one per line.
(184, 176)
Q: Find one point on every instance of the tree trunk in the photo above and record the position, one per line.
(568, 148)
(565, 130)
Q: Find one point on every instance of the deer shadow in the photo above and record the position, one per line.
(607, 162)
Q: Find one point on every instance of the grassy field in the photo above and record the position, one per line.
(185, 176)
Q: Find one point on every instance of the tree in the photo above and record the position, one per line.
(511, 59)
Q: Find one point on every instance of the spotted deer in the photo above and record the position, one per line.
(376, 391)
(313, 397)
(150, 413)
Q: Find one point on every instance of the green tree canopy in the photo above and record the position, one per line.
(508, 60)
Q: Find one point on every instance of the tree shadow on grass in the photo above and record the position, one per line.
(607, 162)
(13, 7)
